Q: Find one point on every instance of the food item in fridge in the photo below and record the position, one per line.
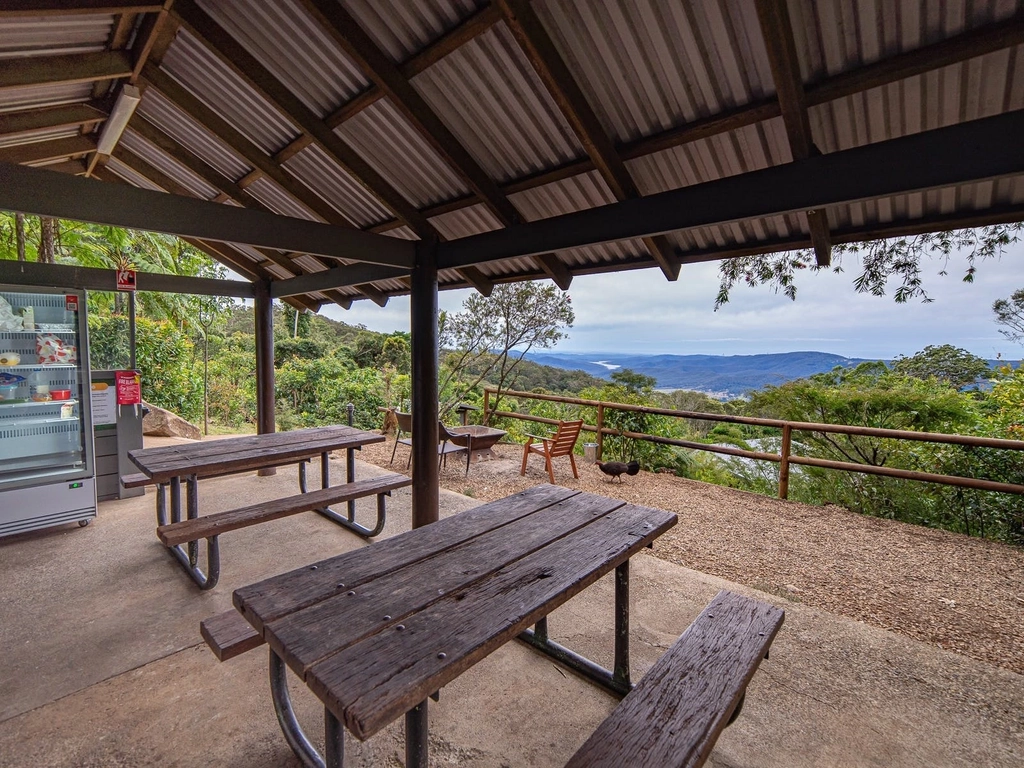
(8, 320)
(51, 350)
(10, 358)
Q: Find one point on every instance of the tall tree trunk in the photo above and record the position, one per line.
(19, 234)
(46, 228)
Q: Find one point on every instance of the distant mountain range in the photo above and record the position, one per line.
(717, 375)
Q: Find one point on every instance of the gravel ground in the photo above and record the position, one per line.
(958, 593)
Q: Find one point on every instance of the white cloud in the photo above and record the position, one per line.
(639, 311)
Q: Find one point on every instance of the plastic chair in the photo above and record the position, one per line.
(559, 444)
(447, 442)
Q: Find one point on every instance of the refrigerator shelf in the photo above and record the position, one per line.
(38, 366)
(35, 403)
(22, 439)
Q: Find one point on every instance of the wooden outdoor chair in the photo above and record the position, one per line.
(559, 444)
(445, 444)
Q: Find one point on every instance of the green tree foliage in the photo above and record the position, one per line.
(956, 367)
(898, 259)
(164, 357)
(1010, 314)
(488, 340)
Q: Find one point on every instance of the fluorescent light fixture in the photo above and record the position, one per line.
(124, 108)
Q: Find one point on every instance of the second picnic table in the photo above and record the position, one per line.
(376, 631)
(168, 467)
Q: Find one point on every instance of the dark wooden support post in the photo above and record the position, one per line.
(787, 447)
(423, 296)
(264, 364)
(131, 330)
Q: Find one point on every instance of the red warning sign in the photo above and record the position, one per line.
(129, 387)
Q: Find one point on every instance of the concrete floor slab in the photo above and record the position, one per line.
(104, 665)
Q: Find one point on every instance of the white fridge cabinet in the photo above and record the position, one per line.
(46, 441)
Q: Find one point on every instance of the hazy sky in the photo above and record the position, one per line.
(641, 312)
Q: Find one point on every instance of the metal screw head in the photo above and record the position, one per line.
(341, 585)
(387, 618)
(442, 655)
(312, 567)
(350, 593)
(400, 627)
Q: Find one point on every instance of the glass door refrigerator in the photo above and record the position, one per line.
(46, 443)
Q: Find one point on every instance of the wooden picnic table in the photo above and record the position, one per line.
(376, 631)
(168, 466)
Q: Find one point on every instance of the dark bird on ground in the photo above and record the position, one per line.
(616, 468)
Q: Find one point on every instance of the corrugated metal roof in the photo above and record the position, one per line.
(134, 143)
(397, 151)
(647, 65)
(488, 95)
(401, 28)
(53, 35)
(290, 43)
(200, 70)
(38, 96)
(268, 192)
(126, 173)
(164, 114)
(575, 194)
(317, 170)
(34, 137)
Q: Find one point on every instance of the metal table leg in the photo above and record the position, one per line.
(293, 733)
(345, 519)
(416, 736)
(189, 558)
(616, 681)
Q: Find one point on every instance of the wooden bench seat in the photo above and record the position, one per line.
(229, 635)
(136, 481)
(221, 522)
(677, 711)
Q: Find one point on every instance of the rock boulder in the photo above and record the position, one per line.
(164, 423)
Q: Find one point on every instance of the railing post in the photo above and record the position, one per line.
(487, 407)
(787, 432)
(600, 432)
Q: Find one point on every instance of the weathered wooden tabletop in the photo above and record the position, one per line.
(209, 458)
(375, 631)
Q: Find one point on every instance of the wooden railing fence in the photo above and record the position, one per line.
(785, 457)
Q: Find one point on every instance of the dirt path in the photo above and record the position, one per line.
(952, 591)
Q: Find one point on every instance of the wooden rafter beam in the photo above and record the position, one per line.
(73, 7)
(147, 39)
(40, 193)
(158, 177)
(69, 116)
(67, 69)
(92, 278)
(535, 42)
(963, 47)
(358, 275)
(184, 157)
(777, 31)
(469, 28)
(344, 29)
(374, 294)
(226, 254)
(234, 55)
(239, 143)
(555, 269)
(42, 151)
(478, 280)
(978, 150)
(72, 167)
(391, 81)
